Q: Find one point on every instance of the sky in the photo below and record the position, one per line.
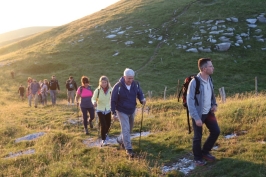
(16, 14)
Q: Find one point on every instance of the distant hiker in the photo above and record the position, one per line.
(101, 100)
(123, 105)
(29, 81)
(12, 74)
(201, 108)
(21, 91)
(44, 90)
(39, 93)
(85, 93)
(34, 89)
(71, 86)
(53, 86)
(29, 95)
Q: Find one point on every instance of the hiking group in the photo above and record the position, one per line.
(120, 103)
(38, 91)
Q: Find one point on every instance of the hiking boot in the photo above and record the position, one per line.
(200, 162)
(120, 144)
(130, 152)
(209, 157)
(91, 125)
(86, 131)
(104, 143)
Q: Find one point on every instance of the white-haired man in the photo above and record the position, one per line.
(123, 105)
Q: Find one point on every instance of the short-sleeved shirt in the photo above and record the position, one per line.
(86, 96)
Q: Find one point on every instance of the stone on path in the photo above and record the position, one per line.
(29, 137)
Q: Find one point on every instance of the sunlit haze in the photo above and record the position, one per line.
(16, 14)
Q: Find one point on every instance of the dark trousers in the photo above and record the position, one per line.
(105, 121)
(85, 115)
(211, 123)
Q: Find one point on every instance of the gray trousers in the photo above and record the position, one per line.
(71, 96)
(33, 97)
(126, 123)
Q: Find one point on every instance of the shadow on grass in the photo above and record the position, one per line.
(230, 167)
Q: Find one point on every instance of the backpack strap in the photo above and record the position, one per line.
(80, 90)
(98, 93)
(197, 91)
(119, 86)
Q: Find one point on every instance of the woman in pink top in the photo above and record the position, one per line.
(85, 93)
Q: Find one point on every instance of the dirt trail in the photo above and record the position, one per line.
(167, 26)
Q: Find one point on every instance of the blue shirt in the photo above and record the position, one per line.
(34, 87)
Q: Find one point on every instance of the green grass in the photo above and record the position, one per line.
(61, 152)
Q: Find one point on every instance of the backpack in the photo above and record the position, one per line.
(81, 88)
(184, 95)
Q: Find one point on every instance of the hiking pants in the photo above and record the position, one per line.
(211, 123)
(35, 98)
(44, 99)
(29, 99)
(53, 94)
(85, 115)
(70, 96)
(126, 123)
(105, 121)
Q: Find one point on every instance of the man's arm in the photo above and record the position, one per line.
(191, 100)
(140, 95)
(57, 83)
(48, 86)
(213, 99)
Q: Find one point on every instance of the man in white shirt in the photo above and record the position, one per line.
(201, 108)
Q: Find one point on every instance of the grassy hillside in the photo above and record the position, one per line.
(61, 150)
(17, 35)
(81, 47)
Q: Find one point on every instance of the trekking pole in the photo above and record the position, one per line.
(142, 110)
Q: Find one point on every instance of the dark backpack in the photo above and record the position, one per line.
(184, 95)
